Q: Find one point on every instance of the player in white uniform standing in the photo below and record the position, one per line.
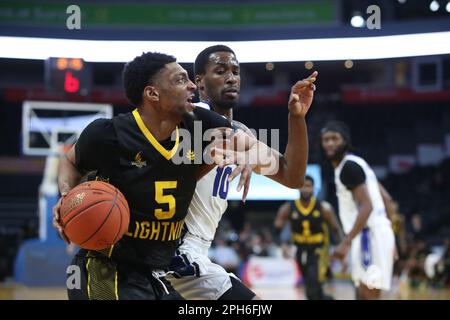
(217, 76)
(363, 214)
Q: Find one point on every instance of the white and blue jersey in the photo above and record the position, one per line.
(372, 251)
(209, 201)
(205, 211)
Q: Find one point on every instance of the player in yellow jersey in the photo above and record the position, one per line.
(310, 220)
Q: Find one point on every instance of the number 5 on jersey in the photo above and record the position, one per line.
(169, 200)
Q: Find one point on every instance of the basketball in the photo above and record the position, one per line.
(94, 215)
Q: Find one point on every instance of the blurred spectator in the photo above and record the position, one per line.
(269, 243)
(246, 232)
(257, 246)
(225, 255)
(416, 263)
(416, 228)
(442, 268)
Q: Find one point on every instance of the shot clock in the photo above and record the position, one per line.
(68, 75)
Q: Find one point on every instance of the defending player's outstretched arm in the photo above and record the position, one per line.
(289, 170)
(292, 168)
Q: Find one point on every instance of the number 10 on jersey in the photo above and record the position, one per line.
(221, 182)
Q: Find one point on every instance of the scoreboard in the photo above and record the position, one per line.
(68, 75)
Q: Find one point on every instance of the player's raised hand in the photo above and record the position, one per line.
(302, 94)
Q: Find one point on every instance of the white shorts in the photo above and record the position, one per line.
(213, 282)
(372, 257)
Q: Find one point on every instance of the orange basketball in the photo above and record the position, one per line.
(94, 215)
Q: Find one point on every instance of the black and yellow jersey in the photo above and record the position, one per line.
(124, 153)
(308, 226)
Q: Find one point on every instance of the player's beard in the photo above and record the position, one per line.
(339, 154)
(226, 104)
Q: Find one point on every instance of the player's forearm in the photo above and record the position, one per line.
(364, 211)
(68, 175)
(288, 170)
(338, 234)
(279, 223)
(264, 159)
(296, 153)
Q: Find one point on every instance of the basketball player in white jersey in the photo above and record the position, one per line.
(217, 77)
(362, 211)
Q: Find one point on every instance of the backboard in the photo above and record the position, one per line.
(46, 125)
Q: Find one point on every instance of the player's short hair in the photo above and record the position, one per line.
(139, 73)
(309, 178)
(203, 57)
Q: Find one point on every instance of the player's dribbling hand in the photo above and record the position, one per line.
(301, 96)
(56, 219)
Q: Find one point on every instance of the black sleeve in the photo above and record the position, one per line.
(95, 146)
(352, 175)
(211, 119)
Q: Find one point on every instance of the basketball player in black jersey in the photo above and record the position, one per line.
(310, 220)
